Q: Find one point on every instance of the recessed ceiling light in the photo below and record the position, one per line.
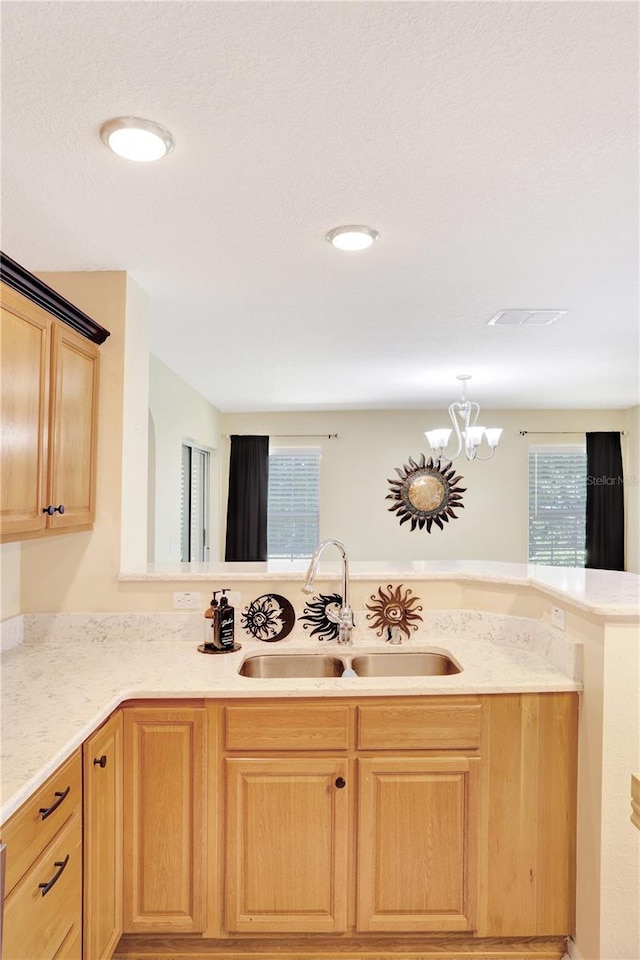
(525, 318)
(352, 237)
(137, 139)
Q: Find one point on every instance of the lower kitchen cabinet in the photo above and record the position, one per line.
(393, 818)
(102, 769)
(292, 823)
(165, 835)
(417, 843)
(43, 902)
(460, 817)
(528, 815)
(44, 910)
(288, 823)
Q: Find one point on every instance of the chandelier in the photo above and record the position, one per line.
(469, 436)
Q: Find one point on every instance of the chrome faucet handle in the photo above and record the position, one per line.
(346, 626)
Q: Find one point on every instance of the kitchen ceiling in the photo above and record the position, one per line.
(493, 145)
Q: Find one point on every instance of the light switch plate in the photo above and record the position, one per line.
(557, 617)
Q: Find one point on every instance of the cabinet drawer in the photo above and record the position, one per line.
(441, 724)
(287, 726)
(26, 833)
(37, 925)
(71, 948)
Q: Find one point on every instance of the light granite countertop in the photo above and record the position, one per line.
(71, 671)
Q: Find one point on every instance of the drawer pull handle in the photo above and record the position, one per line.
(47, 811)
(340, 783)
(51, 509)
(61, 864)
(100, 761)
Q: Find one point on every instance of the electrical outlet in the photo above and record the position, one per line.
(557, 617)
(187, 601)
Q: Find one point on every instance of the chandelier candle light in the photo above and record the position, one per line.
(470, 436)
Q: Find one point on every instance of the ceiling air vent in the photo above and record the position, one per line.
(525, 318)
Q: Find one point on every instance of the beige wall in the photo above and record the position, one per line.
(620, 866)
(79, 571)
(608, 845)
(10, 578)
(355, 468)
(178, 413)
(135, 417)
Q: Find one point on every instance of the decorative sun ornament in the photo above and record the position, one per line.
(323, 615)
(394, 612)
(270, 617)
(426, 493)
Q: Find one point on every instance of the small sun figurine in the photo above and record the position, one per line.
(323, 614)
(270, 617)
(426, 493)
(394, 611)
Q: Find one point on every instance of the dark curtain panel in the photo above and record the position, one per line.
(247, 503)
(605, 502)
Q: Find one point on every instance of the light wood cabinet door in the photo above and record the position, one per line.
(287, 835)
(102, 760)
(417, 843)
(529, 805)
(72, 428)
(24, 387)
(164, 819)
(48, 439)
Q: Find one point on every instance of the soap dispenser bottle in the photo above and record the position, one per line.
(211, 614)
(226, 617)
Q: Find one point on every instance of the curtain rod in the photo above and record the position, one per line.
(524, 433)
(297, 436)
(305, 436)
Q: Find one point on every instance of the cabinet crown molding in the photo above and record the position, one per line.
(44, 296)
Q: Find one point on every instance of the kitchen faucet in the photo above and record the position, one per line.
(346, 613)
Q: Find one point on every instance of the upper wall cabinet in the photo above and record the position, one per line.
(49, 398)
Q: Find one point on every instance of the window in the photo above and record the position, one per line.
(194, 504)
(557, 505)
(294, 502)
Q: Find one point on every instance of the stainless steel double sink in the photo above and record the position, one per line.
(388, 664)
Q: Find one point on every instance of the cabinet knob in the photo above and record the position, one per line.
(100, 761)
(51, 509)
(340, 782)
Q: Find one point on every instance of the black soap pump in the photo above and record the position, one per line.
(226, 617)
(211, 616)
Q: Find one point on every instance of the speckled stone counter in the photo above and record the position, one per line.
(72, 670)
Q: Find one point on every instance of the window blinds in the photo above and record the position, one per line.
(557, 506)
(294, 503)
(194, 512)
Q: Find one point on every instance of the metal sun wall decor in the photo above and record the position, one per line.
(322, 613)
(426, 493)
(269, 617)
(394, 612)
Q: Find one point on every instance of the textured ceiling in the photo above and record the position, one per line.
(493, 145)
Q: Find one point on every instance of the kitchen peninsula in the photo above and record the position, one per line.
(72, 671)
